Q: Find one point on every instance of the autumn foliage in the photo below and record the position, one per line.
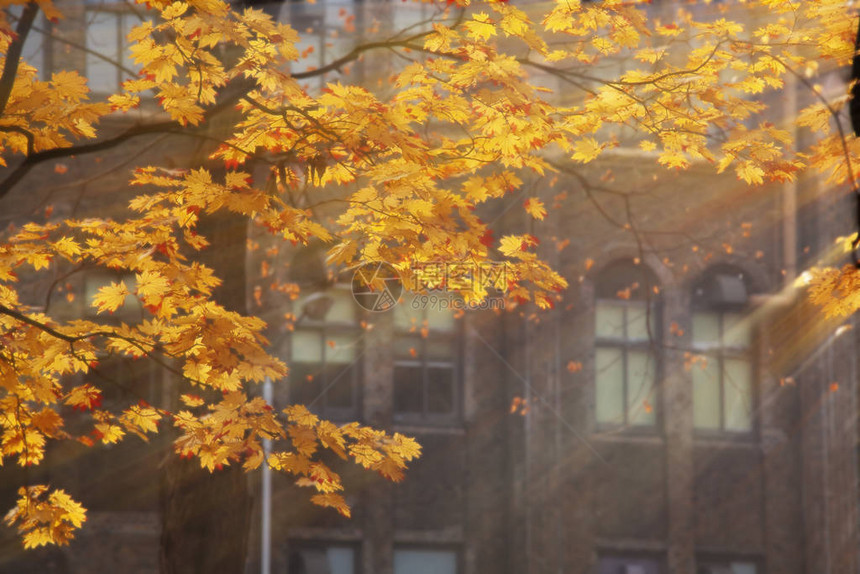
(460, 123)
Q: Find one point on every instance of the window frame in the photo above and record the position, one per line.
(325, 329)
(421, 360)
(652, 304)
(302, 544)
(720, 353)
(710, 561)
(454, 549)
(122, 13)
(711, 293)
(656, 558)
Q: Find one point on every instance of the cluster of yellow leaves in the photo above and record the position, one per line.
(45, 519)
(837, 291)
(41, 115)
(370, 448)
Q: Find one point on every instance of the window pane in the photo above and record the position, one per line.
(341, 347)
(609, 320)
(627, 565)
(425, 562)
(736, 330)
(340, 560)
(405, 317)
(102, 38)
(737, 386)
(344, 307)
(440, 390)
(743, 568)
(338, 381)
(641, 375)
(307, 346)
(408, 389)
(609, 385)
(706, 395)
(408, 347)
(341, 306)
(706, 328)
(34, 50)
(440, 320)
(305, 383)
(440, 349)
(331, 560)
(637, 317)
(129, 21)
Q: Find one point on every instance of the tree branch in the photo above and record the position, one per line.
(13, 54)
(235, 90)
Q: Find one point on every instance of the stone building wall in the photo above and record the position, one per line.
(544, 489)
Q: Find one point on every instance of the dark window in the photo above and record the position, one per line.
(326, 356)
(723, 374)
(425, 561)
(628, 565)
(727, 567)
(626, 337)
(425, 365)
(321, 558)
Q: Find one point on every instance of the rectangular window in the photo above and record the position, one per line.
(425, 365)
(727, 567)
(625, 365)
(425, 561)
(325, 358)
(108, 58)
(723, 393)
(327, 31)
(320, 558)
(623, 564)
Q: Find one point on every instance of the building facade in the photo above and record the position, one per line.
(681, 410)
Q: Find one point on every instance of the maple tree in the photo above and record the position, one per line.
(460, 123)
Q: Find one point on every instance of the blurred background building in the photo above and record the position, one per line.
(681, 410)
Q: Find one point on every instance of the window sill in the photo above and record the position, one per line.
(615, 435)
(410, 428)
(726, 439)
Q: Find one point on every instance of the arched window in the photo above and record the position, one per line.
(723, 397)
(626, 340)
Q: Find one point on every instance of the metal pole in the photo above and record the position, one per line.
(266, 526)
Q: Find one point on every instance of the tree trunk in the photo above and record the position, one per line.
(205, 519)
(206, 516)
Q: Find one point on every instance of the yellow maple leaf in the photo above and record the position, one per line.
(510, 245)
(586, 149)
(750, 172)
(141, 419)
(192, 400)
(111, 297)
(480, 27)
(535, 208)
(151, 287)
